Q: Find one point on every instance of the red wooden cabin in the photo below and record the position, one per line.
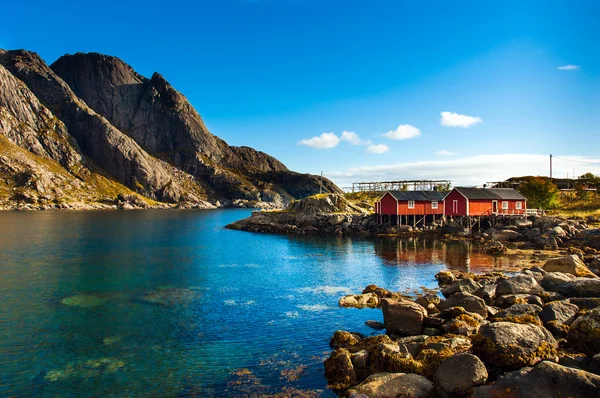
(403, 204)
(484, 202)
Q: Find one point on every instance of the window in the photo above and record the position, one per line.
(518, 205)
(411, 204)
(434, 205)
(504, 205)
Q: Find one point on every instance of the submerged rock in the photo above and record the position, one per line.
(83, 301)
(169, 297)
(86, 369)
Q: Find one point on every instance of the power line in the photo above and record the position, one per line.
(576, 161)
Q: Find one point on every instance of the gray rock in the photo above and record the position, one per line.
(467, 301)
(518, 284)
(562, 312)
(520, 313)
(460, 373)
(585, 302)
(375, 325)
(392, 385)
(467, 285)
(545, 380)
(505, 235)
(487, 292)
(511, 299)
(402, 317)
(580, 287)
(513, 345)
(554, 279)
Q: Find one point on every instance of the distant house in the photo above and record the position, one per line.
(484, 202)
(404, 204)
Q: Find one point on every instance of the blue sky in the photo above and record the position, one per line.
(275, 74)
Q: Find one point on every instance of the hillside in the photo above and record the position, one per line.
(88, 128)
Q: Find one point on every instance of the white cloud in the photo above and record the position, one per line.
(403, 132)
(443, 152)
(469, 171)
(451, 119)
(569, 67)
(377, 149)
(323, 141)
(353, 138)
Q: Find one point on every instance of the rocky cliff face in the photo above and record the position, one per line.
(93, 113)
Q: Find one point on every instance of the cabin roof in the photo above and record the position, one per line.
(490, 193)
(432, 196)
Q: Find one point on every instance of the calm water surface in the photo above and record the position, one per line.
(169, 303)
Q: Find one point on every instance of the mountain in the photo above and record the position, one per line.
(90, 123)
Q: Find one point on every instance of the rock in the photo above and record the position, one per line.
(559, 311)
(347, 340)
(577, 361)
(580, 287)
(512, 345)
(427, 299)
(339, 370)
(467, 285)
(487, 292)
(370, 300)
(584, 333)
(431, 332)
(520, 313)
(546, 223)
(445, 277)
(402, 317)
(595, 364)
(463, 324)
(518, 284)
(585, 302)
(505, 235)
(545, 380)
(375, 325)
(378, 291)
(511, 299)
(459, 374)
(467, 301)
(554, 279)
(392, 385)
(570, 265)
(495, 248)
(545, 241)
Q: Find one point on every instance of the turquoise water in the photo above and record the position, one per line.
(169, 303)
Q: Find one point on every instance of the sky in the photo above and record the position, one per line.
(471, 91)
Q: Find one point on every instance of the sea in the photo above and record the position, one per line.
(170, 303)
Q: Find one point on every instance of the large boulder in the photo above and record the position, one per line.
(570, 265)
(392, 385)
(339, 370)
(459, 374)
(505, 235)
(402, 317)
(343, 339)
(512, 345)
(545, 380)
(580, 287)
(518, 284)
(467, 301)
(370, 300)
(584, 333)
(512, 299)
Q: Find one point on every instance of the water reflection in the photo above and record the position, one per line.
(461, 255)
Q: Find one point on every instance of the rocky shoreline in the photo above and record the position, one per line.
(535, 333)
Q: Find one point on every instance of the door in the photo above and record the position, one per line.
(454, 206)
(494, 206)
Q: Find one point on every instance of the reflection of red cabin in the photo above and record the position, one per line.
(484, 201)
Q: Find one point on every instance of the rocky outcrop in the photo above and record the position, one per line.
(107, 126)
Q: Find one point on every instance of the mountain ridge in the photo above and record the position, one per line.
(140, 133)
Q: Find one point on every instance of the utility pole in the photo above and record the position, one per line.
(321, 183)
(550, 167)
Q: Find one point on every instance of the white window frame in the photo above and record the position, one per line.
(434, 205)
(411, 204)
(519, 205)
(505, 205)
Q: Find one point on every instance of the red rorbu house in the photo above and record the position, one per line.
(484, 202)
(410, 207)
